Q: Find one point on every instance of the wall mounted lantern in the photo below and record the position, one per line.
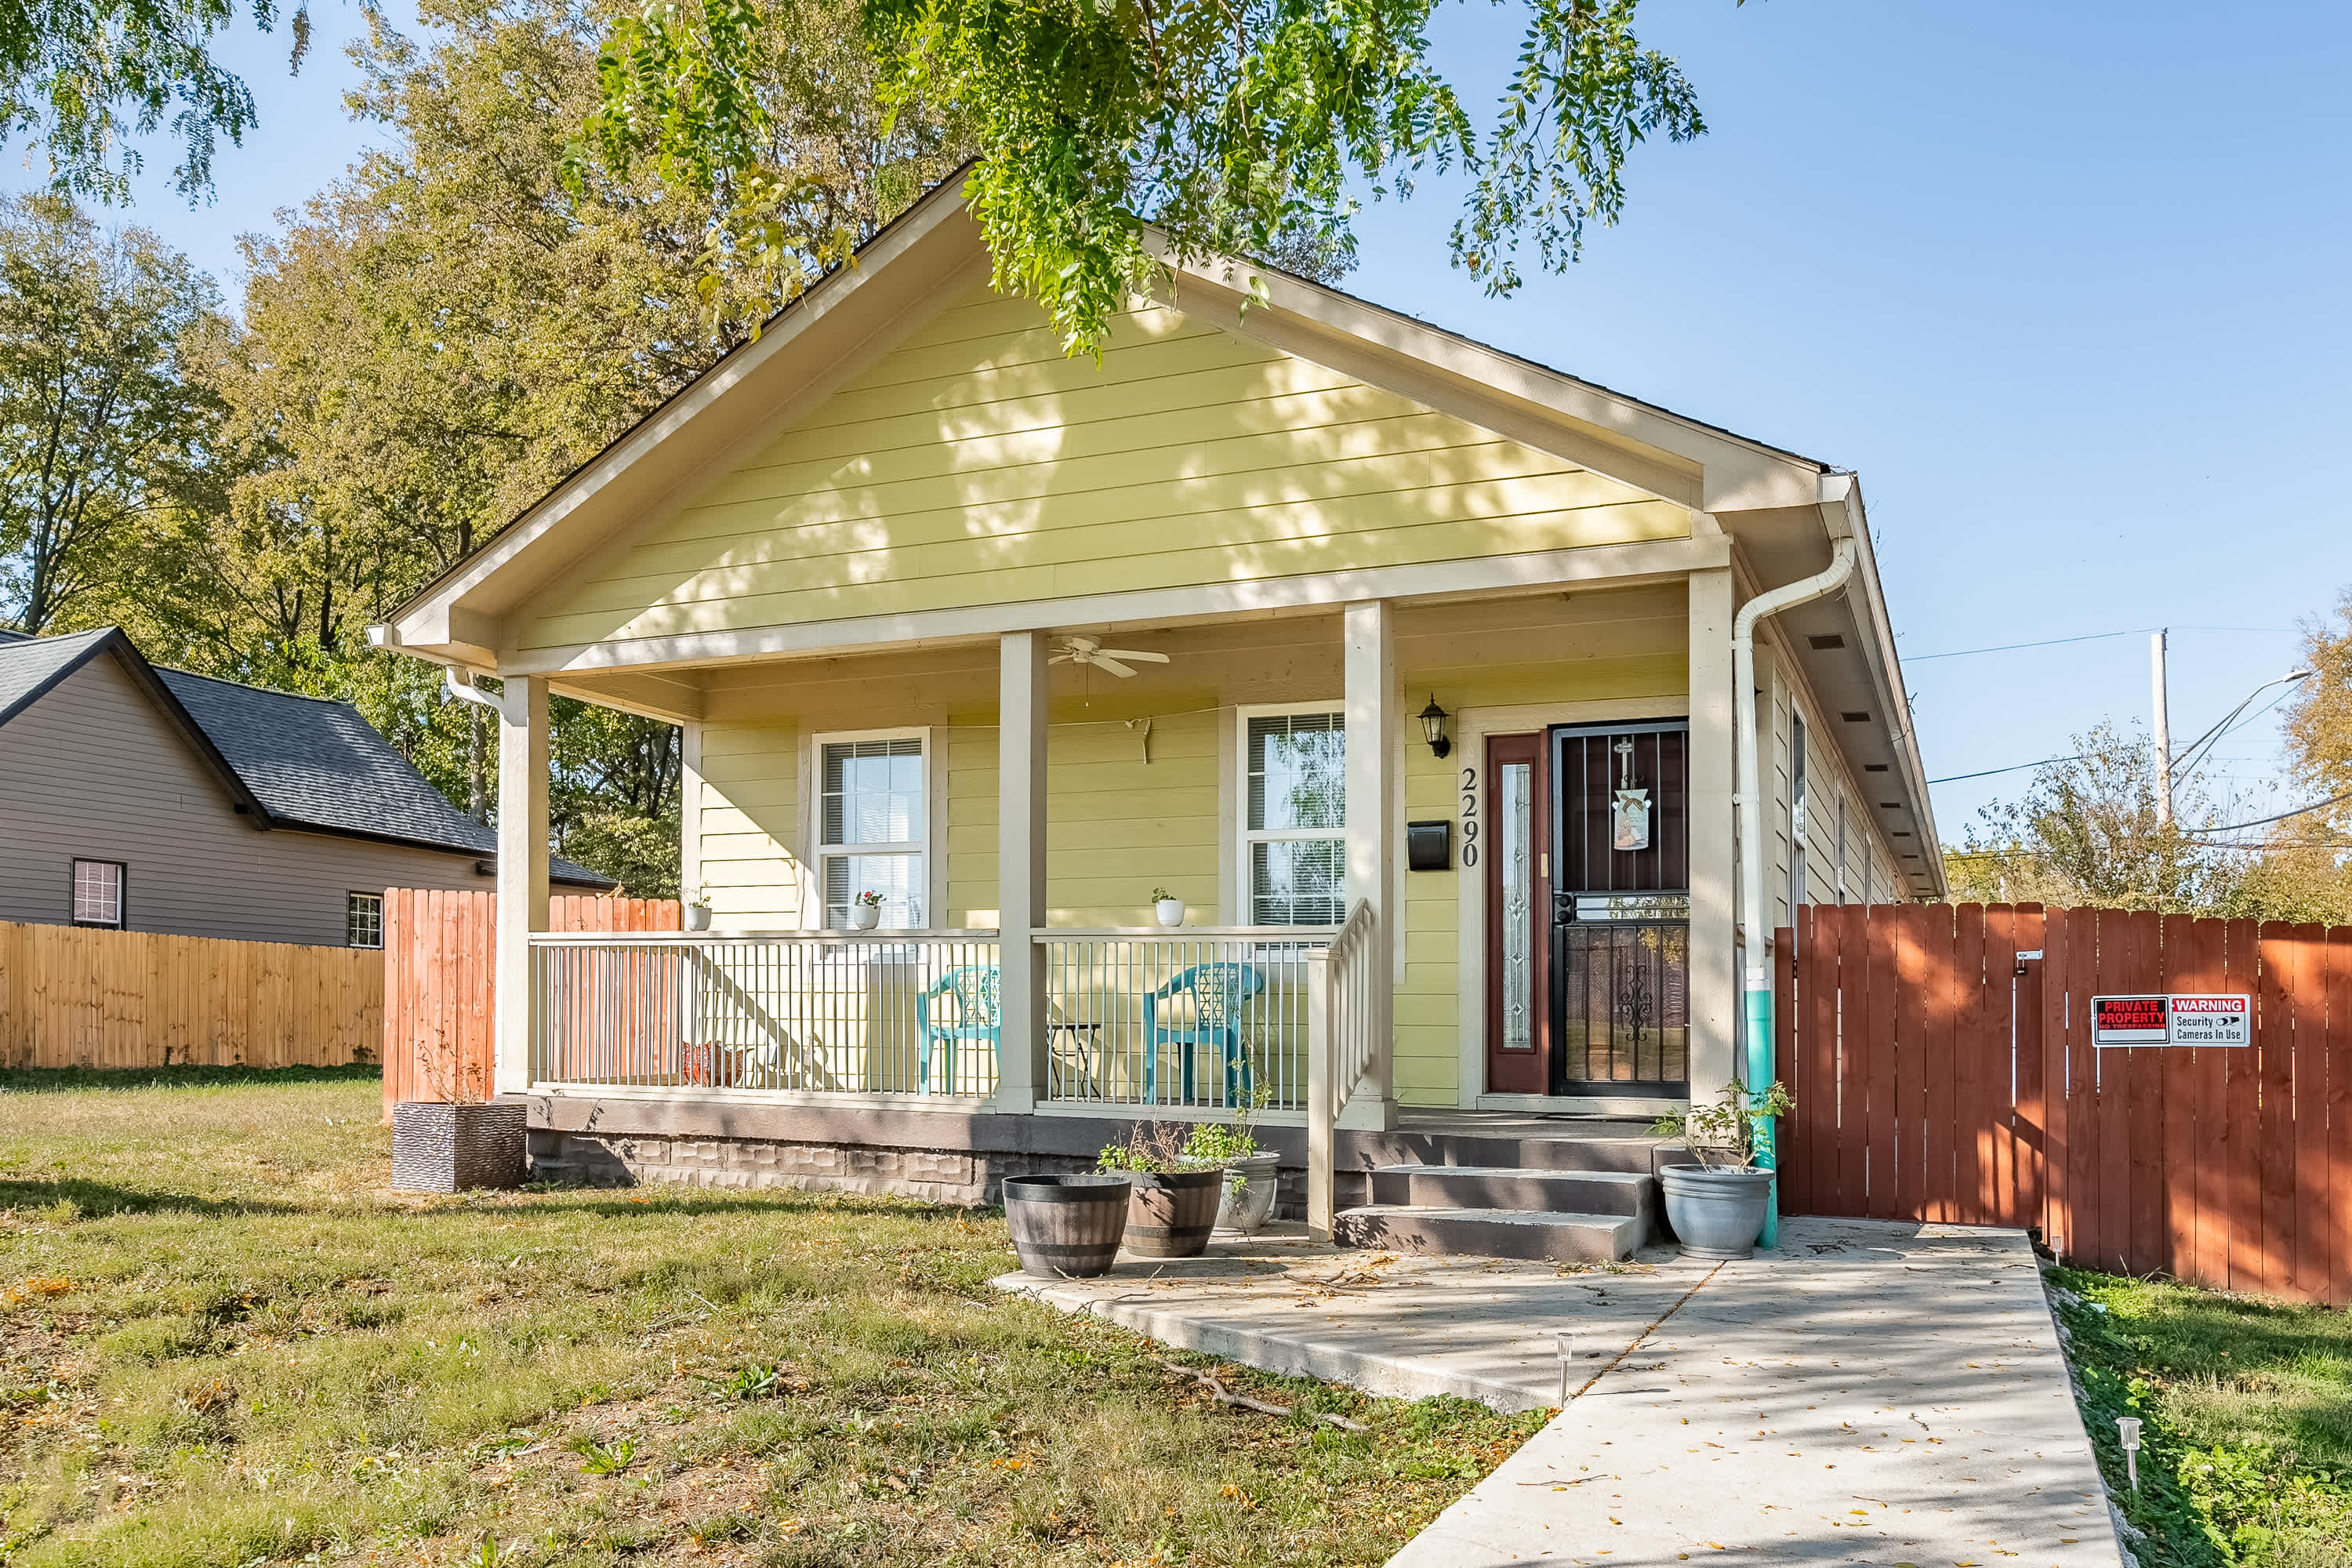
(1432, 728)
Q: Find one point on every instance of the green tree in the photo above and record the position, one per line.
(1229, 127)
(80, 79)
(104, 434)
(2087, 833)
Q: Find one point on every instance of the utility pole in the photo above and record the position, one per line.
(2163, 729)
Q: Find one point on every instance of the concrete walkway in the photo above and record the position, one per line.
(1872, 1393)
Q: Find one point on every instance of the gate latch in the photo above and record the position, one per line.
(2024, 953)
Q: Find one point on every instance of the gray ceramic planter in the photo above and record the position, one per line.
(1248, 1199)
(1715, 1213)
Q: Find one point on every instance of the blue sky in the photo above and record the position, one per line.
(2064, 282)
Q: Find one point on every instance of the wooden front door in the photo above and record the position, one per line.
(1518, 915)
(1587, 871)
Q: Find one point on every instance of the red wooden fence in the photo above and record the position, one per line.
(439, 977)
(1943, 1072)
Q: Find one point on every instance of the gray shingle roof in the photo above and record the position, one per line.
(29, 665)
(309, 762)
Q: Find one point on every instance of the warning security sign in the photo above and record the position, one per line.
(2178, 1019)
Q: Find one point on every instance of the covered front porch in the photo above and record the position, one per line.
(1267, 771)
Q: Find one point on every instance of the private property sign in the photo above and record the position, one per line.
(2174, 1020)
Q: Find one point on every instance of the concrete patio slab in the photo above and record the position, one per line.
(1871, 1392)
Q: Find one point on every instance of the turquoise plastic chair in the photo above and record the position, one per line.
(976, 988)
(1219, 992)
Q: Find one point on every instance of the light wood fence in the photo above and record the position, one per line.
(74, 997)
(440, 980)
(1942, 1062)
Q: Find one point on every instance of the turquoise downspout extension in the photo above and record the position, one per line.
(1757, 979)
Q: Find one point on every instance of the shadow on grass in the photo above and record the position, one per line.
(99, 1200)
(56, 1080)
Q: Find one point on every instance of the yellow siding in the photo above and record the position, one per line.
(975, 465)
(1119, 825)
(750, 824)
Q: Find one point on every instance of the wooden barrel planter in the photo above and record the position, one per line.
(1171, 1213)
(1066, 1228)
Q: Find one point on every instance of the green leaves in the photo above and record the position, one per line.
(1110, 137)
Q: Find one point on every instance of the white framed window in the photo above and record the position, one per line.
(98, 893)
(1294, 814)
(872, 822)
(363, 919)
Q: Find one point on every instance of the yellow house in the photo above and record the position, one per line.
(1299, 614)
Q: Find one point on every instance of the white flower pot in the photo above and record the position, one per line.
(698, 917)
(1171, 911)
(864, 917)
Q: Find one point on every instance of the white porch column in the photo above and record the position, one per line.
(521, 871)
(1714, 858)
(689, 812)
(1375, 783)
(1021, 869)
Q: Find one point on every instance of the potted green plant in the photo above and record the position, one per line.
(865, 910)
(697, 914)
(1172, 1201)
(1252, 1177)
(1168, 907)
(1716, 1206)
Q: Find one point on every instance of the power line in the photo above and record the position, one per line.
(2087, 636)
(2013, 647)
(2282, 816)
(2016, 768)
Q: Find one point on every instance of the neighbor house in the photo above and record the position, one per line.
(143, 799)
(1307, 614)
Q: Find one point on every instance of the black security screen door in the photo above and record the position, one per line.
(1620, 988)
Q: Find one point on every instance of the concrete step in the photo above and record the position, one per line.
(1617, 1149)
(1516, 1187)
(1491, 1233)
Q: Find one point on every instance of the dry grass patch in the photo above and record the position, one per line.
(226, 1344)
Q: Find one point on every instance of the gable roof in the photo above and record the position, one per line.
(1772, 512)
(307, 764)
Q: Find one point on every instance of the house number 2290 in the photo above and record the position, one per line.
(1469, 816)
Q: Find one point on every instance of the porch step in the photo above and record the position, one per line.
(1533, 1235)
(1516, 1187)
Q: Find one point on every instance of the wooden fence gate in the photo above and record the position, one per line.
(440, 979)
(1941, 1059)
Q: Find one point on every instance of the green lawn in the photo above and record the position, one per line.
(2248, 1406)
(227, 1344)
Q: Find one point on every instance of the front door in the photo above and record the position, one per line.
(1588, 903)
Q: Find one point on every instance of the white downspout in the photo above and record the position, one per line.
(460, 682)
(1748, 806)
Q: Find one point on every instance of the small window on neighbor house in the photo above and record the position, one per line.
(363, 920)
(98, 893)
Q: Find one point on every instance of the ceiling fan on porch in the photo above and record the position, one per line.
(1090, 651)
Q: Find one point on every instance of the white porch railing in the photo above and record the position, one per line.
(823, 1012)
(1349, 1026)
(1201, 1017)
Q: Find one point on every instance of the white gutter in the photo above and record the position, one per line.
(460, 682)
(1748, 806)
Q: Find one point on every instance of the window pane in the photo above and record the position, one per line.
(1298, 882)
(1297, 772)
(363, 920)
(897, 877)
(1516, 820)
(873, 792)
(98, 893)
